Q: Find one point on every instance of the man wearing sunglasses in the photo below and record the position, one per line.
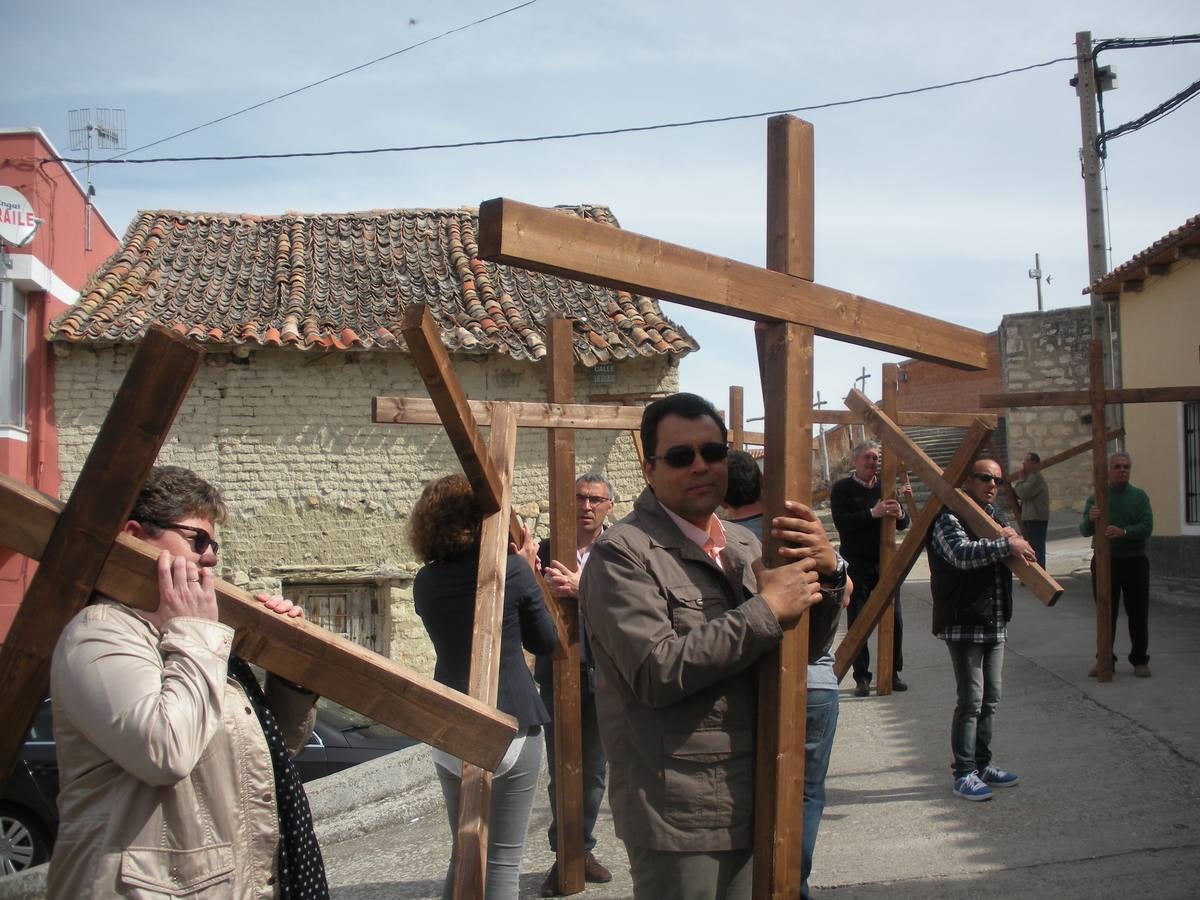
(679, 608)
(972, 604)
(593, 502)
(1130, 523)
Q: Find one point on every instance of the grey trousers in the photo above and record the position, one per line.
(668, 875)
(512, 801)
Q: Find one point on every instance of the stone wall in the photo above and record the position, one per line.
(316, 491)
(1048, 351)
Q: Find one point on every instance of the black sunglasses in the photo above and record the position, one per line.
(988, 479)
(679, 457)
(201, 539)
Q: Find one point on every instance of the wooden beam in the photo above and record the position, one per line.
(892, 576)
(126, 447)
(420, 411)
(294, 649)
(1072, 452)
(904, 418)
(548, 241)
(1039, 583)
(735, 420)
(785, 361)
(483, 681)
(433, 363)
(886, 634)
(1006, 487)
(1177, 394)
(567, 724)
(1102, 547)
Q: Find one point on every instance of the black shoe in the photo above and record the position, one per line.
(550, 885)
(898, 684)
(862, 687)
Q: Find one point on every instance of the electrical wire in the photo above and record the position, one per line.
(570, 135)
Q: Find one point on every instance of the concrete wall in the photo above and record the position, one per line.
(316, 491)
(1047, 351)
(1160, 332)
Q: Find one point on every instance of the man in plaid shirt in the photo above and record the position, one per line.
(972, 603)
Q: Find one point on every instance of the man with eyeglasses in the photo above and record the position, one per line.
(679, 607)
(594, 497)
(858, 508)
(1130, 523)
(972, 604)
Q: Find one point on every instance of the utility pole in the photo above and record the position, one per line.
(824, 447)
(1036, 274)
(1104, 315)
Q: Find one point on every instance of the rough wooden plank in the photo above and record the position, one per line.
(483, 681)
(420, 411)
(433, 363)
(885, 662)
(1014, 502)
(735, 421)
(1173, 394)
(1033, 576)
(904, 418)
(549, 241)
(291, 648)
(1071, 452)
(1102, 547)
(785, 362)
(568, 729)
(893, 575)
(126, 447)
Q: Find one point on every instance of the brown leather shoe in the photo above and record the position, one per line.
(593, 870)
(550, 885)
(862, 687)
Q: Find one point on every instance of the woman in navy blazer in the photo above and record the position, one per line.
(445, 535)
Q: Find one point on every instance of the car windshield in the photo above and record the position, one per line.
(344, 719)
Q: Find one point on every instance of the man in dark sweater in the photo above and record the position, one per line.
(858, 514)
(1130, 522)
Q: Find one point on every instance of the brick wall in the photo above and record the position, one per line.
(930, 387)
(1048, 351)
(316, 491)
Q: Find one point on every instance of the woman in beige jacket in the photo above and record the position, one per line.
(175, 780)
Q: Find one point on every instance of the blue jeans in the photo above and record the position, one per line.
(977, 673)
(820, 726)
(593, 759)
(508, 820)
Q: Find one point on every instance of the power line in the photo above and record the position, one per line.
(292, 93)
(633, 129)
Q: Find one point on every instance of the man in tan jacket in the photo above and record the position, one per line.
(172, 760)
(679, 608)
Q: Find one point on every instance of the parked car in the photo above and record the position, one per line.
(341, 738)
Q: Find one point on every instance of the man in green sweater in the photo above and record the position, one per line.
(1130, 524)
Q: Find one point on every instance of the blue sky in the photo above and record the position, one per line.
(935, 202)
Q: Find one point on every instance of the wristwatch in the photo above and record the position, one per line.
(835, 580)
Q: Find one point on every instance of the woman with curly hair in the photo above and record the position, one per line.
(445, 531)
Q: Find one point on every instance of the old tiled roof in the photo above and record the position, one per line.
(1155, 260)
(341, 280)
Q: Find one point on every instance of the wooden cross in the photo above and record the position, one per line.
(462, 419)
(795, 308)
(1097, 397)
(80, 551)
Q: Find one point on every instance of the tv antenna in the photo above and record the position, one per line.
(104, 129)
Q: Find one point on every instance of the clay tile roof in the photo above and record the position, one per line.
(1156, 260)
(341, 280)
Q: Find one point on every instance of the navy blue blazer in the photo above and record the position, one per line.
(445, 599)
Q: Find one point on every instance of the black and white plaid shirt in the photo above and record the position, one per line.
(952, 543)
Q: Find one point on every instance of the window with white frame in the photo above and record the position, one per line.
(1191, 462)
(12, 355)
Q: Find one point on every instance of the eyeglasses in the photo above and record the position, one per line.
(988, 479)
(585, 499)
(681, 457)
(200, 539)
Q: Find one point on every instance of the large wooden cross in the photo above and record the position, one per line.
(1097, 397)
(561, 418)
(793, 308)
(80, 551)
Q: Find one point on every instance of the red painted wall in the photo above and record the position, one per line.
(58, 246)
